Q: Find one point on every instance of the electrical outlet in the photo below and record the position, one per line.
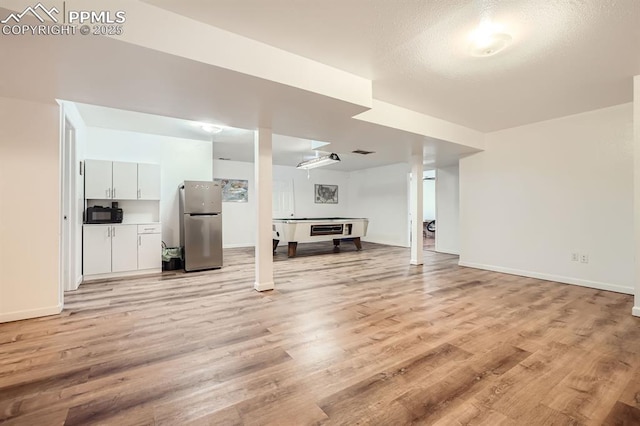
(575, 257)
(584, 258)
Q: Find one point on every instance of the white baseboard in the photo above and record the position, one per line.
(448, 251)
(264, 286)
(636, 311)
(122, 274)
(31, 313)
(550, 277)
(385, 242)
(241, 245)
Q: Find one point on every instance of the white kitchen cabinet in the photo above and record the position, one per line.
(148, 182)
(150, 246)
(96, 249)
(117, 180)
(109, 248)
(125, 181)
(98, 179)
(124, 252)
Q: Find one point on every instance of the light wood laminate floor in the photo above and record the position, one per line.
(347, 338)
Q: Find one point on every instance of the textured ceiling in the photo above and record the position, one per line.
(566, 56)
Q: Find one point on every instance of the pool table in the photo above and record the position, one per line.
(306, 230)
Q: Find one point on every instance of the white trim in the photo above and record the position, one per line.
(448, 251)
(121, 274)
(636, 311)
(385, 242)
(550, 277)
(31, 313)
(414, 262)
(240, 245)
(264, 286)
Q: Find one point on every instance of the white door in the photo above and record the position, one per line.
(124, 248)
(97, 179)
(149, 251)
(125, 181)
(148, 182)
(283, 205)
(96, 249)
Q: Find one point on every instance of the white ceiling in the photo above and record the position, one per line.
(237, 144)
(566, 56)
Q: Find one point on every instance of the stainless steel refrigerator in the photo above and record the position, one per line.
(201, 224)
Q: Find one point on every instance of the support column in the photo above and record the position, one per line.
(264, 221)
(416, 196)
(636, 189)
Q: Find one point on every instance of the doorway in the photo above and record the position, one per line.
(68, 208)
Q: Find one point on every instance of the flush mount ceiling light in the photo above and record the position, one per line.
(210, 128)
(488, 39)
(323, 160)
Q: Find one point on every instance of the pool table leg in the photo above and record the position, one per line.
(357, 242)
(292, 249)
(275, 245)
(336, 245)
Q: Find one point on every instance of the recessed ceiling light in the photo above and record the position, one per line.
(488, 39)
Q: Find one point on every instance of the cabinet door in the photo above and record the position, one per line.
(96, 249)
(124, 248)
(125, 180)
(149, 251)
(148, 182)
(97, 179)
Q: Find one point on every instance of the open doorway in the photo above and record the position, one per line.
(429, 210)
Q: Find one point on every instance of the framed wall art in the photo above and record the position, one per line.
(234, 190)
(326, 194)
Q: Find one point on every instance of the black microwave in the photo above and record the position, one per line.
(99, 214)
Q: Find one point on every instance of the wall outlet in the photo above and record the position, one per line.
(584, 258)
(575, 257)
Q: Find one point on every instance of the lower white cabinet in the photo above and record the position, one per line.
(124, 254)
(111, 249)
(149, 247)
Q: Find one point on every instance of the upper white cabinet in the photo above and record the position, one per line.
(98, 179)
(125, 181)
(116, 180)
(148, 182)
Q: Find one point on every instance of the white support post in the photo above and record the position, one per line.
(416, 197)
(264, 200)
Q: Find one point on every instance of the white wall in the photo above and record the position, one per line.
(29, 182)
(448, 210)
(179, 159)
(304, 190)
(543, 191)
(428, 200)
(238, 219)
(382, 195)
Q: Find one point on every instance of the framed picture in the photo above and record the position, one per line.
(234, 190)
(326, 194)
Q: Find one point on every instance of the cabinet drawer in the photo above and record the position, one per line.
(150, 229)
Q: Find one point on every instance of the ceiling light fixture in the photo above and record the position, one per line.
(488, 39)
(323, 160)
(210, 128)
